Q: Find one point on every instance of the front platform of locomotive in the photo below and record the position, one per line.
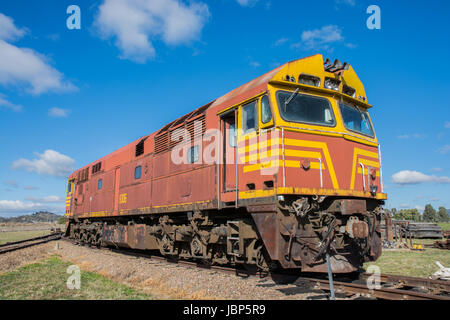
(329, 181)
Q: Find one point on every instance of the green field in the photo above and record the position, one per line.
(12, 236)
(47, 280)
(412, 263)
(444, 225)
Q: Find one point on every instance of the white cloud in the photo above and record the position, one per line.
(50, 163)
(436, 169)
(17, 205)
(30, 188)
(9, 105)
(8, 31)
(58, 113)
(49, 199)
(136, 23)
(247, 3)
(445, 149)
(26, 67)
(11, 207)
(320, 39)
(414, 177)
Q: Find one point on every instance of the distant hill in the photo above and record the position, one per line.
(41, 216)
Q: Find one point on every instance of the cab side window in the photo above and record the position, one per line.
(138, 172)
(193, 154)
(249, 117)
(232, 139)
(266, 113)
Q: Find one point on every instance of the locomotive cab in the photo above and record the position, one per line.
(325, 161)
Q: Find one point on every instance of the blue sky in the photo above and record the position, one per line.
(68, 97)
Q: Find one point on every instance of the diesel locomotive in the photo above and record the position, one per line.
(275, 174)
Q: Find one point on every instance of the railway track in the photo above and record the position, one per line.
(17, 245)
(391, 287)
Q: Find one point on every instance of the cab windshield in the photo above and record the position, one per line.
(356, 119)
(303, 108)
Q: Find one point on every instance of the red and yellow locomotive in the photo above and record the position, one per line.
(274, 174)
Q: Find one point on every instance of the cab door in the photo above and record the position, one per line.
(70, 191)
(229, 152)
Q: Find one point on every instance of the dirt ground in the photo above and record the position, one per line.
(160, 279)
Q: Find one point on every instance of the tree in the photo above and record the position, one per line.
(442, 215)
(412, 214)
(395, 214)
(429, 214)
(407, 214)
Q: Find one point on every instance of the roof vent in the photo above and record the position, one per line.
(140, 148)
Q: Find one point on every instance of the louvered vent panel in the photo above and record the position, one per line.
(161, 143)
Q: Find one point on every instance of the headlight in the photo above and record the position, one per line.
(309, 80)
(332, 84)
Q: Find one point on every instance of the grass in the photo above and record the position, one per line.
(12, 236)
(444, 225)
(412, 263)
(46, 280)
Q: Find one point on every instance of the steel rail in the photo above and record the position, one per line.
(434, 285)
(17, 245)
(378, 293)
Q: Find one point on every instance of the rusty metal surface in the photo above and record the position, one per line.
(445, 245)
(269, 230)
(381, 293)
(133, 236)
(349, 206)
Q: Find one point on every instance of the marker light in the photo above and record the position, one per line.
(309, 80)
(289, 78)
(332, 84)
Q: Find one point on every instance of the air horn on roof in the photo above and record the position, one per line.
(336, 66)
